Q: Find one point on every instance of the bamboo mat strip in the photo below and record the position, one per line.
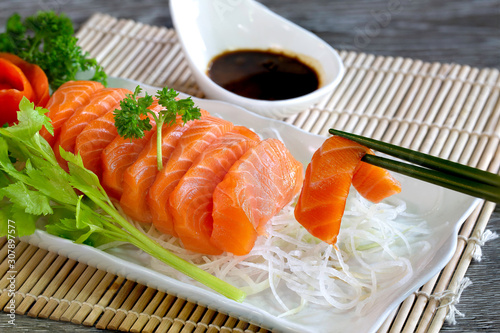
(447, 110)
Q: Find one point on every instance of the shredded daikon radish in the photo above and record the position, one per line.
(372, 253)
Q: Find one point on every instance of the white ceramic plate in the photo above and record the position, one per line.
(438, 206)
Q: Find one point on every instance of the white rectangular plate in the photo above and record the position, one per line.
(438, 206)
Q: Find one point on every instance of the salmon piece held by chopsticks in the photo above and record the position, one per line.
(374, 183)
(329, 175)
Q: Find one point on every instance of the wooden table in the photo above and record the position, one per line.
(461, 31)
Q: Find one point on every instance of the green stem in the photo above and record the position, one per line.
(159, 157)
(47, 157)
(159, 119)
(156, 250)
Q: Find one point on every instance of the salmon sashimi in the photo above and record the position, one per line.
(96, 136)
(139, 177)
(191, 201)
(122, 153)
(256, 188)
(194, 141)
(64, 102)
(327, 183)
(101, 102)
(374, 183)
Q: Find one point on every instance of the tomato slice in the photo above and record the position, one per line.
(35, 75)
(14, 86)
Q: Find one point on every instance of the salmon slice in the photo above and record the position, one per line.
(327, 183)
(122, 153)
(194, 141)
(139, 177)
(374, 183)
(101, 102)
(256, 188)
(191, 201)
(96, 136)
(64, 102)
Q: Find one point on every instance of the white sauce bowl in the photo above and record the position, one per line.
(208, 28)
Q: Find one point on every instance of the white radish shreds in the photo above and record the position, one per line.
(371, 254)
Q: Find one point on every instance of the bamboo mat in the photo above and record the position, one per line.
(448, 110)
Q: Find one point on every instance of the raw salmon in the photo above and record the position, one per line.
(374, 183)
(122, 153)
(257, 186)
(194, 141)
(333, 168)
(139, 177)
(101, 102)
(327, 182)
(64, 102)
(96, 136)
(191, 201)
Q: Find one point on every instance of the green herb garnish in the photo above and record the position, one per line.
(132, 120)
(48, 40)
(35, 186)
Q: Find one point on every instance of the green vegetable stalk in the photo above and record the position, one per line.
(35, 186)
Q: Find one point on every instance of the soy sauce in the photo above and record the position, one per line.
(264, 75)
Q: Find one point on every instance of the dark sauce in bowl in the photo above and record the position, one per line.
(264, 75)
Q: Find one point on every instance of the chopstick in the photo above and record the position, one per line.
(435, 170)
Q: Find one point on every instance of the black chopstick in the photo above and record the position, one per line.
(455, 176)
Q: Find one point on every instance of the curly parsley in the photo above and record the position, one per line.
(131, 119)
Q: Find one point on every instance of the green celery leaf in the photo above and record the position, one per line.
(59, 213)
(6, 164)
(82, 178)
(4, 179)
(31, 202)
(24, 223)
(31, 119)
(25, 133)
(4, 217)
(66, 228)
(53, 182)
(88, 230)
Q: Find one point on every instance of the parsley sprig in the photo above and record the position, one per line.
(131, 120)
(47, 39)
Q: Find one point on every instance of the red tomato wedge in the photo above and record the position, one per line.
(35, 76)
